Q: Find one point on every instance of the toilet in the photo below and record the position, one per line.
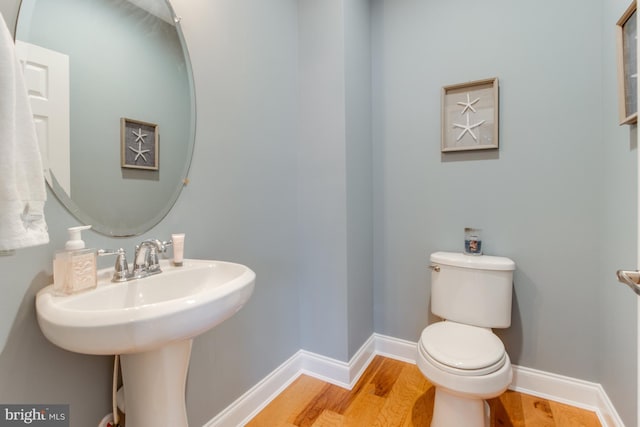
(460, 355)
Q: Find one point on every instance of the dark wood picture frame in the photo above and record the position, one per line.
(138, 144)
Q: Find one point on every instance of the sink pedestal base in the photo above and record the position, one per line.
(154, 386)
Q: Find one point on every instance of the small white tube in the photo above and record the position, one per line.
(178, 248)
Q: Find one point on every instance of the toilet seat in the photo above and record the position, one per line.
(462, 349)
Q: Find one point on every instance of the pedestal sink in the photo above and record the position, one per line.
(150, 322)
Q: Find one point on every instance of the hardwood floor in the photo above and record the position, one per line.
(393, 393)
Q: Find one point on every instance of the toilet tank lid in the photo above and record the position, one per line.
(480, 262)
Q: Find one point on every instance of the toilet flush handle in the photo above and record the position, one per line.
(435, 268)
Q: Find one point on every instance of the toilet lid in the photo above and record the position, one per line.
(470, 349)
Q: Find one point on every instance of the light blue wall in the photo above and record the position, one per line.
(241, 203)
(335, 177)
(618, 250)
(359, 158)
(256, 185)
(540, 199)
(534, 198)
(322, 188)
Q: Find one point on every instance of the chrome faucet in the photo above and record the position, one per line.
(146, 258)
(145, 263)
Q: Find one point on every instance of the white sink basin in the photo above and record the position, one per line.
(150, 322)
(140, 315)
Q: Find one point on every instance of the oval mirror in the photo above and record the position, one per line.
(113, 99)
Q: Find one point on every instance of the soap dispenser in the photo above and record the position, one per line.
(74, 268)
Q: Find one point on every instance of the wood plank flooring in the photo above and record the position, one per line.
(393, 393)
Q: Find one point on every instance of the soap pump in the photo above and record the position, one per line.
(75, 241)
(74, 268)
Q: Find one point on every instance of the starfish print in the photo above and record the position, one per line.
(139, 136)
(468, 105)
(467, 128)
(139, 152)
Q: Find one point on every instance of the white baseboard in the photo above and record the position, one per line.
(562, 389)
(255, 399)
(572, 391)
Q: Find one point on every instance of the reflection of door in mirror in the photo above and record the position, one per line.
(47, 78)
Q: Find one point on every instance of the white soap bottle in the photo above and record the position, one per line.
(74, 269)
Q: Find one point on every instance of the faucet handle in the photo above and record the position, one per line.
(121, 268)
(161, 245)
(166, 244)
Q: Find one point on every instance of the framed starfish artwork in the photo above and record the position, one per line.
(470, 116)
(627, 31)
(138, 144)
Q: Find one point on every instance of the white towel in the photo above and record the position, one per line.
(22, 187)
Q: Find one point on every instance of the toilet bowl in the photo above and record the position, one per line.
(466, 362)
(467, 365)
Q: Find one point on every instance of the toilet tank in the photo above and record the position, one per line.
(475, 290)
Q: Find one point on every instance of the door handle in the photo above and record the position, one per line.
(630, 278)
